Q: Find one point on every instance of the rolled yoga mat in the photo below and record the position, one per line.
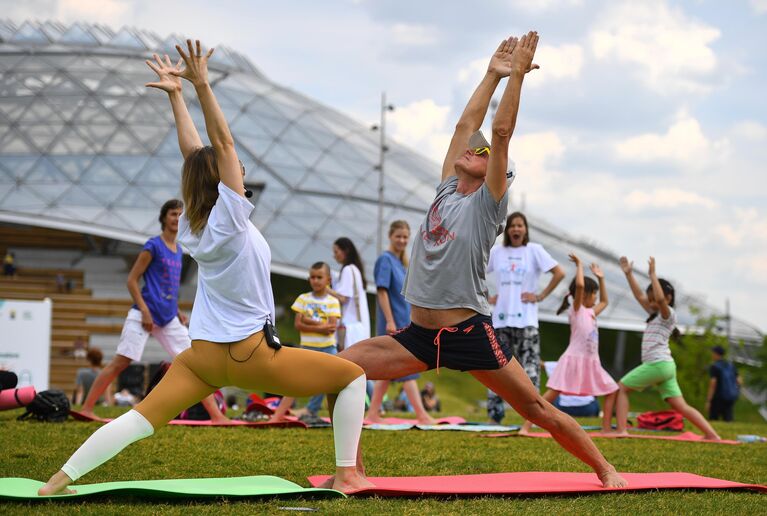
(15, 398)
(535, 483)
(233, 487)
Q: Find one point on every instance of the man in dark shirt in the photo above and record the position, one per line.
(724, 386)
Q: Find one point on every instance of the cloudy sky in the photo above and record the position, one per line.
(645, 130)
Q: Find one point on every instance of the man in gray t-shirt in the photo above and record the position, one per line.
(445, 284)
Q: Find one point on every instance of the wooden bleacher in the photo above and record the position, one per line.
(69, 317)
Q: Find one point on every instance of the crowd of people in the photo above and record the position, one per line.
(433, 308)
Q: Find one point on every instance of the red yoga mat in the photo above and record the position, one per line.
(193, 422)
(450, 420)
(15, 398)
(685, 437)
(535, 483)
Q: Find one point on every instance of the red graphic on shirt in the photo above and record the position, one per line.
(438, 234)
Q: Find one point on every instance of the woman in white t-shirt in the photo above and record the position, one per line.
(232, 338)
(349, 288)
(518, 265)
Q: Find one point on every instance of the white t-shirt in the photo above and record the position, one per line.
(234, 293)
(517, 270)
(350, 275)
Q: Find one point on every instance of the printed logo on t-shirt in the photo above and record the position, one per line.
(438, 234)
(316, 311)
(514, 272)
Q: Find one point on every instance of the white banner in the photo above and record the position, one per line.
(25, 340)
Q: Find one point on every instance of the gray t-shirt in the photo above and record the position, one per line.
(450, 251)
(655, 339)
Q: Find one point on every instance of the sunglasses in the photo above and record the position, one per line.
(481, 150)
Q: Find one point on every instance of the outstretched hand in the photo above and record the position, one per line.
(500, 63)
(523, 53)
(574, 258)
(626, 265)
(597, 271)
(651, 268)
(196, 70)
(167, 81)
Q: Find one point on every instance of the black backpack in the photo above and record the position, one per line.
(52, 406)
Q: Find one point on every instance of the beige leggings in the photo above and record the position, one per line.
(250, 364)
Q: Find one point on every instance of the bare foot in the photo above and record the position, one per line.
(349, 480)
(373, 418)
(220, 420)
(279, 418)
(621, 433)
(712, 437)
(611, 478)
(426, 420)
(57, 485)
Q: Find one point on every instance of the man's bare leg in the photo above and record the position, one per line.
(382, 358)
(550, 396)
(414, 396)
(105, 377)
(374, 410)
(513, 385)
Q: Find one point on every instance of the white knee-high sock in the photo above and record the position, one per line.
(106, 442)
(347, 421)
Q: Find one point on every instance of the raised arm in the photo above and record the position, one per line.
(580, 282)
(628, 269)
(196, 72)
(474, 113)
(657, 291)
(603, 301)
(188, 137)
(506, 117)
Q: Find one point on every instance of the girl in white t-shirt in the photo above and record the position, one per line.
(518, 265)
(231, 320)
(349, 288)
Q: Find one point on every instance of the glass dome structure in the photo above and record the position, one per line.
(85, 147)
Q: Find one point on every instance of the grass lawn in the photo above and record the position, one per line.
(36, 450)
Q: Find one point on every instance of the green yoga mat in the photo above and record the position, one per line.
(234, 487)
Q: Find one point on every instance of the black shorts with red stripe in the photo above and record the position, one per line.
(468, 346)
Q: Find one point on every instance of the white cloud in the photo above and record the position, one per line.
(414, 35)
(750, 130)
(474, 71)
(539, 6)
(110, 12)
(536, 156)
(683, 143)
(749, 227)
(670, 52)
(423, 125)
(760, 6)
(667, 198)
(562, 62)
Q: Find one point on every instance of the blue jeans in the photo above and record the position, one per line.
(316, 402)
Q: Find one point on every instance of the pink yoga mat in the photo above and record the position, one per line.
(192, 422)
(535, 483)
(685, 437)
(15, 398)
(450, 420)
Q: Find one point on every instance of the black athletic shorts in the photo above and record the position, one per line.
(469, 346)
